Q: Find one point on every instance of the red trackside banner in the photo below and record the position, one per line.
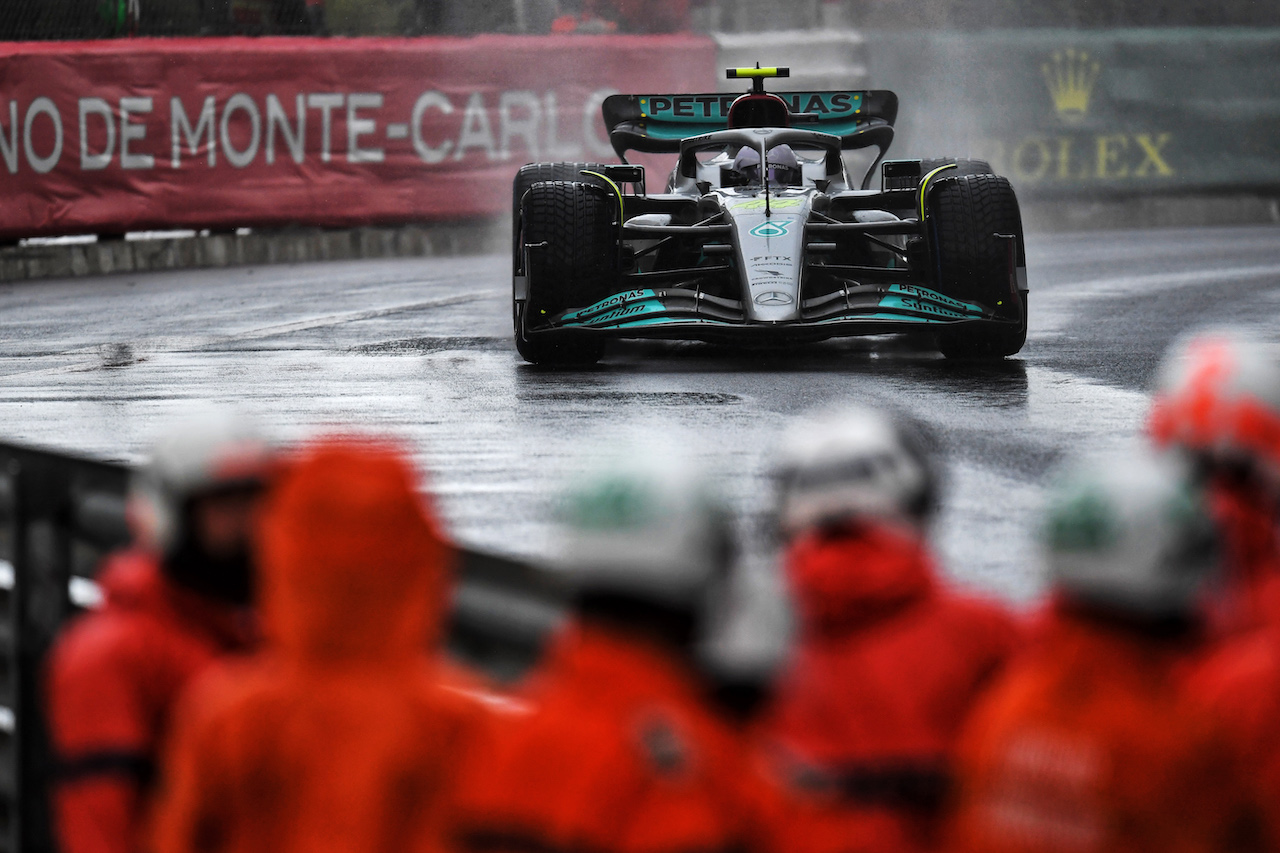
(106, 137)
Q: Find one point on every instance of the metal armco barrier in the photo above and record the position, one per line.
(58, 519)
(117, 136)
(1071, 113)
(60, 514)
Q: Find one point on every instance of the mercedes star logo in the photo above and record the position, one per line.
(774, 297)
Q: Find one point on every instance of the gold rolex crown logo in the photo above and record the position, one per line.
(1070, 76)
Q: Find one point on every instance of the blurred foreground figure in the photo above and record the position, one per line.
(172, 605)
(623, 752)
(889, 661)
(1218, 400)
(337, 736)
(1091, 742)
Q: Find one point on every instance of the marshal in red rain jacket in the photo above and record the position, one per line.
(1093, 743)
(1241, 683)
(338, 735)
(619, 753)
(1249, 597)
(111, 684)
(887, 666)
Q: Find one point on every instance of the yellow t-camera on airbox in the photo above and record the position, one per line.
(756, 75)
(736, 73)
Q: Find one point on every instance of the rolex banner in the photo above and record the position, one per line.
(131, 134)
(1099, 113)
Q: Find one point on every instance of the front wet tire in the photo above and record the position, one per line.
(571, 246)
(970, 219)
(984, 341)
(536, 173)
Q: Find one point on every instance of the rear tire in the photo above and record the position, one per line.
(972, 263)
(575, 268)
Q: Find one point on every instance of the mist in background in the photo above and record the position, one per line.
(1081, 101)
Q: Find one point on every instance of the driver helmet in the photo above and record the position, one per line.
(784, 167)
(746, 165)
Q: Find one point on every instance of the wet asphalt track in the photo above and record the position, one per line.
(422, 348)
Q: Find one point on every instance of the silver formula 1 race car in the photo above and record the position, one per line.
(761, 236)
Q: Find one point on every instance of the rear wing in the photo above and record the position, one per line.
(656, 123)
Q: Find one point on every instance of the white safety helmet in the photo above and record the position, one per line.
(1218, 396)
(217, 451)
(853, 463)
(1131, 533)
(648, 525)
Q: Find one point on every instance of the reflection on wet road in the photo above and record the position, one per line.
(422, 348)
